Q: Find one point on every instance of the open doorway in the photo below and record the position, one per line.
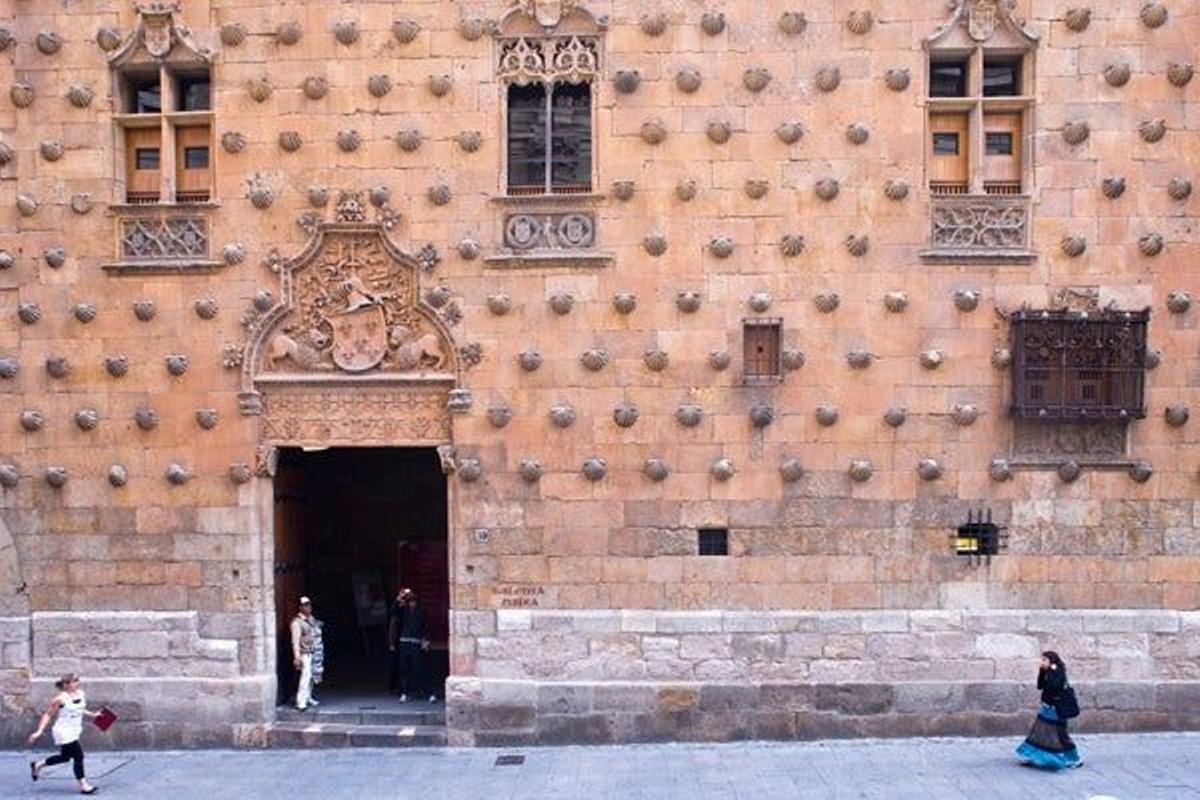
(352, 525)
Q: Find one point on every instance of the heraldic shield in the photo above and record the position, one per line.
(359, 338)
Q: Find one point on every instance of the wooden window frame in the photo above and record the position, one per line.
(773, 327)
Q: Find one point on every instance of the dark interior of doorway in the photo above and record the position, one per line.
(351, 525)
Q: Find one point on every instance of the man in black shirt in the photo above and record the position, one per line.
(409, 637)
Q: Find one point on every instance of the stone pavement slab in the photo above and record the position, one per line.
(1125, 767)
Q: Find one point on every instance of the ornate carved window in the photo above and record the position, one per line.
(979, 142)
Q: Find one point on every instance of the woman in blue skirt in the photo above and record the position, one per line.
(1048, 744)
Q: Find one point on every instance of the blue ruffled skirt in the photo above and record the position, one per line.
(1048, 744)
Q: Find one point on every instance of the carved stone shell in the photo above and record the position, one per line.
(828, 78)
(1113, 187)
(469, 141)
(895, 189)
(721, 246)
(759, 301)
(1117, 74)
(27, 205)
(897, 79)
(857, 245)
(21, 95)
(108, 38)
(85, 312)
(6, 260)
(792, 358)
(859, 22)
(32, 420)
(348, 140)
(929, 469)
(688, 79)
(688, 301)
(1179, 188)
(438, 296)
(439, 194)
(965, 414)
(10, 476)
(932, 359)
(177, 364)
(1076, 132)
(791, 470)
(1180, 74)
(1153, 14)
(656, 360)
(408, 140)
(259, 89)
(1153, 359)
(895, 416)
(719, 360)
(469, 248)
(290, 141)
(79, 95)
(1073, 245)
(233, 142)
(116, 366)
(29, 313)
(857, 133)
(561, 302)
(263, 300)
(144, 309)
(689, 415)
(469, 469)
(8, 368)
(315, 87)
(1000, 470)
(405, 30)
(594, 359)
(1176, 415)
(792, 23)
(827, 415)
(718, 131)
(379, 195)
(55, 257)
(232, 34)
(7, 154)
(895, 302)
(860, 470)
(81, 202)
(655, 243)
(146, 418)
(58, 367)
(1151, 244)
(685, 190)
(654, 23)
(288, 33)
(1141, 471)
(530, 470)
(207, 418)
(472, 28)
(622, 190)
(625, 415)
(1152, 130)
(656, 469)
(48, 42)
(529, 360)
(1179, 301)
(595, 468)
(499, 415)
(1069, 471)
(346, 31)
(1077, 19)
(756, 188)
(712, 22)
(859, 358)
(260, 195)
(791, 244)
(723, 469)
(624, 302)
(790, 132)
(756, 78)
(1001, 358)
(827, 188)
(379, 85)
(966, 300)
(206, 307)
(52, 149)
(761, 415)
(57, 476)
(439, 85)
(626, 81)
(240, 472)
(117, 476)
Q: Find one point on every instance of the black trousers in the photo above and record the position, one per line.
(69, 752)
(408, 668)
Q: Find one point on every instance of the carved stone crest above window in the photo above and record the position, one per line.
(982, 21)
(155, 36)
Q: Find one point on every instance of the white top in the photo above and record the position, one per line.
(68, 725)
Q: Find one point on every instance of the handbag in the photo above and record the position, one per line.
(1066, 705)
(105, 718)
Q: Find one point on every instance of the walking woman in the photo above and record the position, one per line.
(67, 709)
(1048, 744)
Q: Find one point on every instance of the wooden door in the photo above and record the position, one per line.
(193, 163)
(143, 159)
(290, 562)
(1002, 153)
(948, 165)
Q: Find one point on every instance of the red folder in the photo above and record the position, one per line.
(105, 718)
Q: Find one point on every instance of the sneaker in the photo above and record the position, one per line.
(403, 698)
(313, 703)
(433, 698)
(301, 708)
(1077, 764)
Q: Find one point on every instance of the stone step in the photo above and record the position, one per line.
(338, 734)
(398, 716)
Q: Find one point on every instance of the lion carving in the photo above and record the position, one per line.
(411, 352)
(283, 346)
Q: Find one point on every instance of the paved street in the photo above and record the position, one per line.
(1128, 767)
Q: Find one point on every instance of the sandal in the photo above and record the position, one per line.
(90, 790)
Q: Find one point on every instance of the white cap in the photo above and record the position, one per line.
(304, 601)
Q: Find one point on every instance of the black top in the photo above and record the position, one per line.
(406, 623)
(1051, 682)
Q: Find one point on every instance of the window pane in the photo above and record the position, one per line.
(945, 144)
(147, 158)
(1001, 78)
(948, 79)
(195, 94)
(195, 158)
(571, 136)
(527, 137)
(148, 99)
(999, 143)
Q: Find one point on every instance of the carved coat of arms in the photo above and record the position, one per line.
(548, 13)
(981, 19)
(359, 338)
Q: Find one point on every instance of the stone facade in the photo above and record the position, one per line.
(577, 360)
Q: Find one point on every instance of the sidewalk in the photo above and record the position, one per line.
(1128, 767)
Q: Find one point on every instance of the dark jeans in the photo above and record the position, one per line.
(69, 752)
(408, 668)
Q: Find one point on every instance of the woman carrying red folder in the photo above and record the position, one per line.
(67, 709)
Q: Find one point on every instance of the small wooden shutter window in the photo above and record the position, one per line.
(761, 346)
